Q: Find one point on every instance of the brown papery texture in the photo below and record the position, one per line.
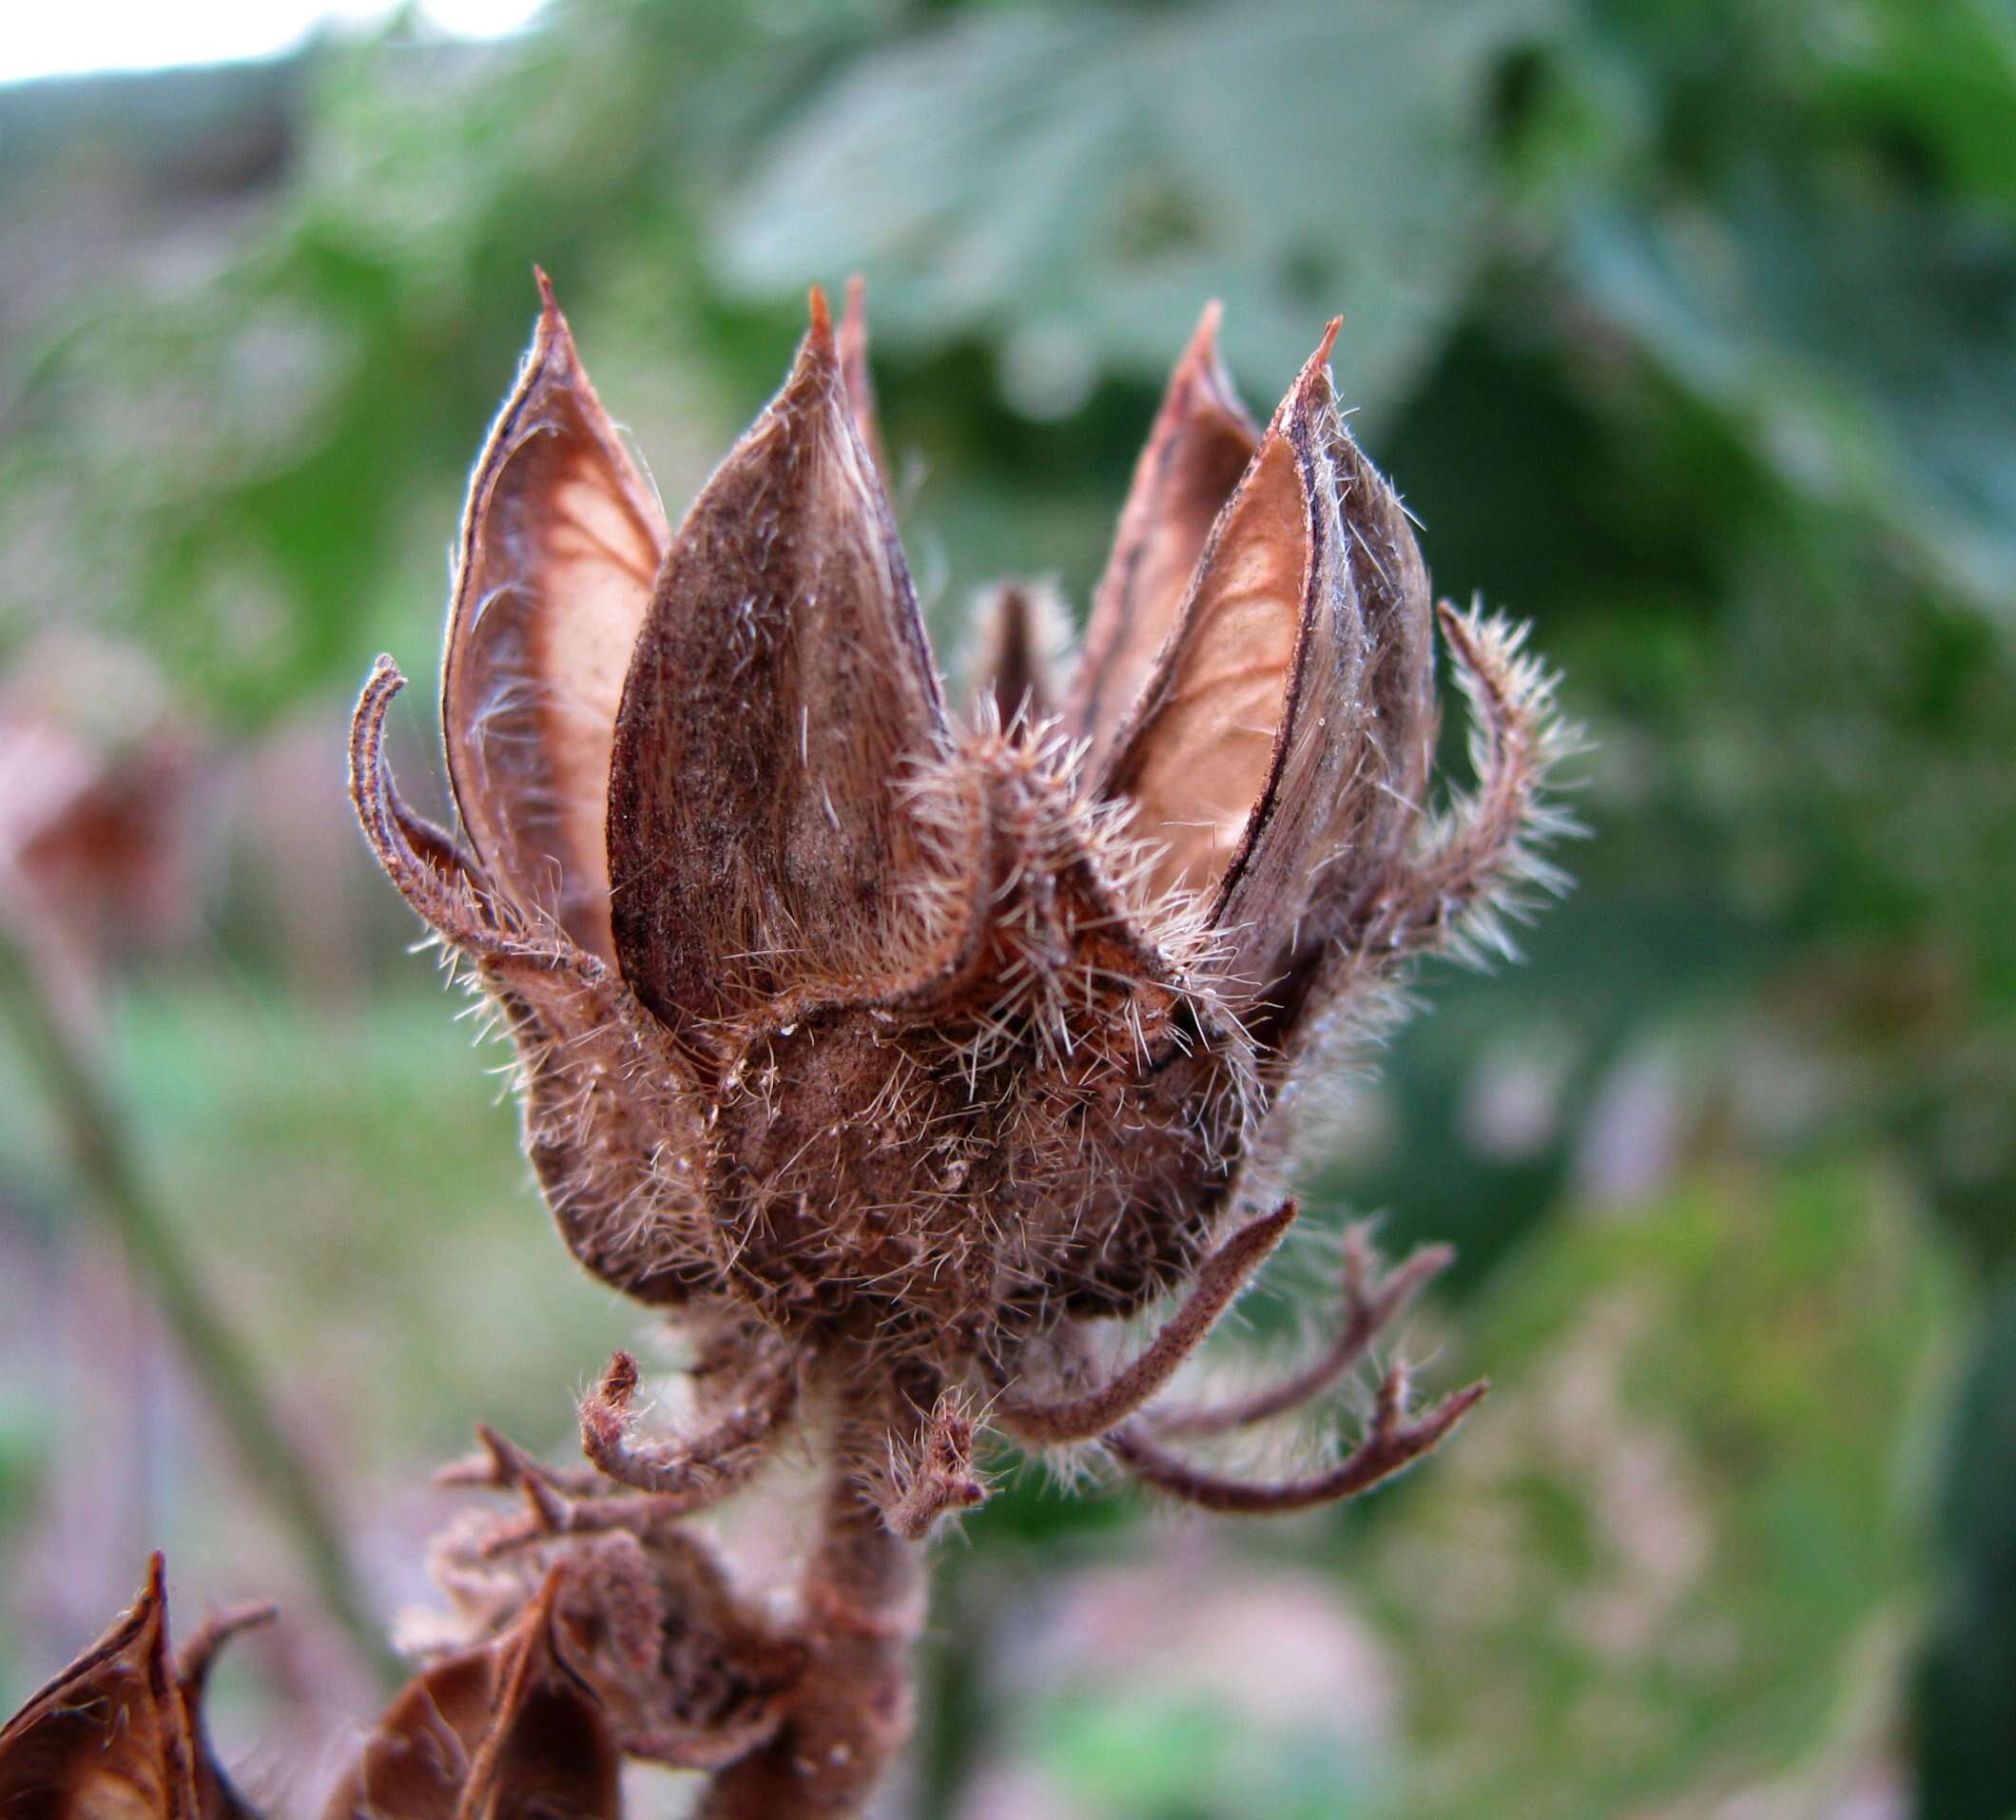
(935, 1070)
(935, 1044)
(119, 1734)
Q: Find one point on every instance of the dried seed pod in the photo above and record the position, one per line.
(502, 1731)
(894, 1054)
(1201, 444)
(560, 544)
(119, 1734)
(779, 693)
(1239, 750)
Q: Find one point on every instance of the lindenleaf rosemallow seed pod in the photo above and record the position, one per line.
(896, 1052)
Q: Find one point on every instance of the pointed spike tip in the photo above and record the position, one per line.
(1312, 390)
(1204, 338)
(1277, 1223)
(552, 341)
(822, 330)
(1456, 1407)
(1203, 364)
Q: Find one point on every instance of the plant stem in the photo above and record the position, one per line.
(863, 1600)
(104, 1160)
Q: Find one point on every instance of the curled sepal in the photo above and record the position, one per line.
(1394, 1442)
(1219, 1280)
(1251, 724)
(502, 1731)
(599, 1148)
(780, 693)
(1480, 863)
(117, 1735)
(561, 541)
(1199, 447)
(696, 1471)
(1373, 1299)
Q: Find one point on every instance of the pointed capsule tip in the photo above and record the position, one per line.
(822, 316)
(854, 323)
(1200, 379)
(1201, 354)
(552, 323)
(552, 335)
(1313, 391)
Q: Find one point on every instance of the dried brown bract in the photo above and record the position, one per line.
(505, 1729)
(898, 1053)
(119, 1734)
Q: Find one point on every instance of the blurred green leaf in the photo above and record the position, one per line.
(1866, 344)
(1644, 1566)
(1966, 1707)
(1071, 185)
(1944, 73)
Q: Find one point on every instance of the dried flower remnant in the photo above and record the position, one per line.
(504, 1728)
(97, 796)
(897, 1055)
(120, 1732)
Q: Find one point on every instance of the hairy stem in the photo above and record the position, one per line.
(104, 1161)
(863, 1598)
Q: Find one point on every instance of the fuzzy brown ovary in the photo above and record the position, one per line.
(897, 1169)
(861, 1180)
(826, 1210)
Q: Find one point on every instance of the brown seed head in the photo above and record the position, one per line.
(912, 1040)
(891, 1050)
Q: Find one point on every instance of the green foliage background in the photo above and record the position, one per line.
(1689, 329)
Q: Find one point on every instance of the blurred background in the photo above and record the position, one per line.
(1688, 328)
